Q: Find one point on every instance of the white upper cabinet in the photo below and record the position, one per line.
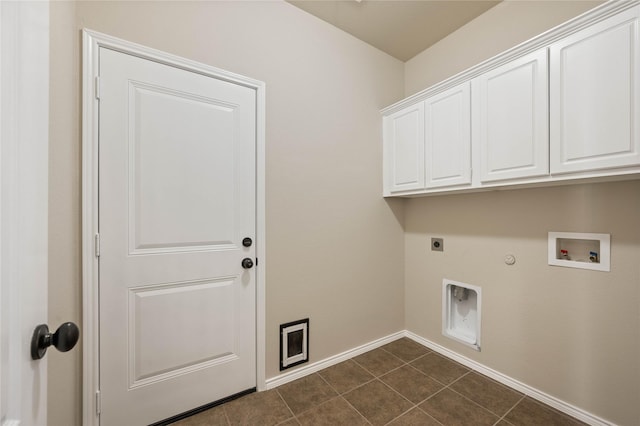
(511, 119)
(448, 138)
(404, 149)
(595, 96)
(561, 107)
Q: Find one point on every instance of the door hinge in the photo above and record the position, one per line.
(98, 403)
(97, 88)
(97, 245)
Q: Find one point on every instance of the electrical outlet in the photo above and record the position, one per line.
(437, 244)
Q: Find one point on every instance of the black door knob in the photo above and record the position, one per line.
(247, 242)
(64, 339)
(247, 263)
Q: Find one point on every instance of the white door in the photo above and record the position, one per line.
(177, 158)
(24, 148)
(512, 116)
(448, 137)
(595, 96)
(404, 149)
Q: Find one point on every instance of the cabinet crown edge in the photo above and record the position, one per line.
(590, 17)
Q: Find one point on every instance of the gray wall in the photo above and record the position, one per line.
(334, 246)
(358, 265)
(574, 334)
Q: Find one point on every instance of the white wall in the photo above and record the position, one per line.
(574, 334)
(334, 246)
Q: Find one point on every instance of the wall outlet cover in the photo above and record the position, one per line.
(437, 244)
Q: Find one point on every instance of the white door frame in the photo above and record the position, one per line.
(24, 157)
(92, 42)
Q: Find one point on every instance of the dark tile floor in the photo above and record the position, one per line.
(401, 383)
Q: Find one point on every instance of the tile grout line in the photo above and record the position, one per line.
(378, 378)
(371, 372)
(356, 410)
(226, 416)
(446, 386)
(339, 395)
(415, 405)
(407, 360)
(359, 386)
(476, 403)
(286, 404)
(449, 386)
(504, 416)
(555, 411)
(500, 417)
(400, 415)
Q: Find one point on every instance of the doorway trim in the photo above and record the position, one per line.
(92, 42)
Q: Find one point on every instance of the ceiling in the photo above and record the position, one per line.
(401, 28)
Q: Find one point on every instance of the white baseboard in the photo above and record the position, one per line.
(513, 383)
(274, 382)
(536, 394)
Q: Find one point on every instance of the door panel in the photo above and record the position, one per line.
(513, 130)
(448, 137)
(158, 311)
(595, 96)
(176, 197)
(404, 145)
(168, 212)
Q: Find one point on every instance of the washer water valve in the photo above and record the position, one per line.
(460, 293)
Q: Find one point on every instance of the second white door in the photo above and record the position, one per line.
(176, 201)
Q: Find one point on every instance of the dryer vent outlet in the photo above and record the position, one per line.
(294, 343)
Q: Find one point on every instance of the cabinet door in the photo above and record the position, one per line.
(595, 96)
(512, 126)
(404, 149)
(448, 138)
